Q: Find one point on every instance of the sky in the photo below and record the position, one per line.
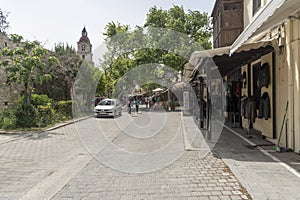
(55, 21)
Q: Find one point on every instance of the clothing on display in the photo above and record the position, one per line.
(244, 101)
(264, 76)
(250, 112)
(264, 107)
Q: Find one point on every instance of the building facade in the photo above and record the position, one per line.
(84, 46)
(263, 64)
(228, 21)
(279, 23)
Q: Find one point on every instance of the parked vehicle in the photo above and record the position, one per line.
(108, 107)
(97, 100)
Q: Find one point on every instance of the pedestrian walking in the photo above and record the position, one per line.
(137, 102)
(129, 105)
(147, 101)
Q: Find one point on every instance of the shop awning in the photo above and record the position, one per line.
(271, 15)
(226, 63)
(207, 54)
(256, 45)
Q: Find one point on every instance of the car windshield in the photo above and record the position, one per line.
(106, 103)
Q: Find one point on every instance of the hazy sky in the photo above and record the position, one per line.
(54, 21)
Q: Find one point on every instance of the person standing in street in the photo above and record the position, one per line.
(147, 101)
(129, 105)
(136, 103)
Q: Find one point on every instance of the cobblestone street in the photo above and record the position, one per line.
(28, 161)
(190, 177)
(56, 165)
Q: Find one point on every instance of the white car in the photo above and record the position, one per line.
(108, 107)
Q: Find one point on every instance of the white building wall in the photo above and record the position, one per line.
(293, 59)
(248, 10)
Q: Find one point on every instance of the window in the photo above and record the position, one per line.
(256, 6)
(232, 6)
(5, 44)
(106, 103)
(83, 56)
(219, 20)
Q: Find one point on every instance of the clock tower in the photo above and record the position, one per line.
(84, 47)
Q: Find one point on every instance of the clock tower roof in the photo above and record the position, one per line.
(84, 37)
(84, 32)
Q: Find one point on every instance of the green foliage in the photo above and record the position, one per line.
(102, 85)
(63, 74)
(64, 109)
(193, 23)
(41, 113)
(40, 100)
(26, 116)
(8, 120)
(26, 64)
(190, 31)
(46, 115)
(113, 28)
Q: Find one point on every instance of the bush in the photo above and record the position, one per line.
(26, 119)
(63, 109)
(40, 114)
(8, 119)
(40, 99)
(46, 115)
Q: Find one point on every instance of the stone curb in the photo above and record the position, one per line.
(31, 133)
(68, 123)
(42, 130)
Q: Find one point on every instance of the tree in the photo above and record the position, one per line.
(114, 53)
(177, 35)
(4, 24)
(63, 74)
(193, 23)
(25, 64)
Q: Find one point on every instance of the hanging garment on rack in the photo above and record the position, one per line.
(264, 107)
(264, 76)
(229, 103)
(251, 113)
(244, 100)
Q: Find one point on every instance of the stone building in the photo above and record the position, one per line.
(84, 47)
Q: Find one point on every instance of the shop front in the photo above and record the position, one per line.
(232, 86)
(279, 21)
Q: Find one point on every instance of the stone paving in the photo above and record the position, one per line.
(190, 177)
(57, 165)
(26, 160)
